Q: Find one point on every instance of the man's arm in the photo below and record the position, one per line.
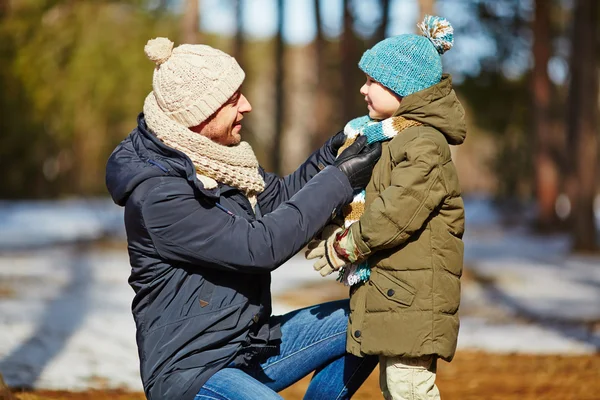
(186, 230)
(278, 190)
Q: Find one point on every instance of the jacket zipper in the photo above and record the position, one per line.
(220, 207)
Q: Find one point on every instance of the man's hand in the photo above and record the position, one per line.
(336, 142)
(327, 258)
(357, 161)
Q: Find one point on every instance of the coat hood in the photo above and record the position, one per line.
(142, 156)
(438, 107)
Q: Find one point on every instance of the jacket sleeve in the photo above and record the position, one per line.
(188, 230)
(278, 190)
(416, 190)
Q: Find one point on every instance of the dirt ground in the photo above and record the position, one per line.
(471, 375)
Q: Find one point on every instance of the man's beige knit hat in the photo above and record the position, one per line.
(191, 82)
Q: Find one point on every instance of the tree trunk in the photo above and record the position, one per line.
(349, 62)
(383, 24)
(426, 7)
(322, 104)
(238, 48)
(546, 168)
(4, 8)
(583, 122)
(279, 94)
(190, 25)
(162, 5)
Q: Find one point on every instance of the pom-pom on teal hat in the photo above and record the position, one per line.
(409, 63)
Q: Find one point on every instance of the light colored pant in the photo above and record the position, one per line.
(402, 378)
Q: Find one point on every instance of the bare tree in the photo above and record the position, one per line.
(348, 60)
(162, 5)
(321, 103)
(383, 23)
(583, 122)
(279, 93)
(238, 48)
(426, 7)
(4, 8)
(190, 25)
(546, 168)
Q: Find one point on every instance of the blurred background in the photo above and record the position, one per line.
(73, 76)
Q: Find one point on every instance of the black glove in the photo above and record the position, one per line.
(358, 160)
(335, 142)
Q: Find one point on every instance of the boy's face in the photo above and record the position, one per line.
(381, 102)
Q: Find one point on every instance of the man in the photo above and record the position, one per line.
(206, 226)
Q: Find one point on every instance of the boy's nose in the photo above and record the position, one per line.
(363, 90)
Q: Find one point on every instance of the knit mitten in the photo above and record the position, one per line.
(346, 248)
(327, 259)
(336, 224)
(358, 269)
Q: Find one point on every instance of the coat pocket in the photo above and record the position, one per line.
(390, 293)
(228, 318)
(191, 341)
(216, 320)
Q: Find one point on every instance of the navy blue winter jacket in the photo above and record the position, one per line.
(201, 259)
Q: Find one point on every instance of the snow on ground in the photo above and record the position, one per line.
(529, 294)
(65, 320)
(26, 224)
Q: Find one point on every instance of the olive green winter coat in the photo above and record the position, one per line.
(411, 232)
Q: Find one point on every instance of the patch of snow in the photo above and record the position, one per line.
(563, 291)
(27, 224)
(65, 319)
(479, 334)
(83, 336)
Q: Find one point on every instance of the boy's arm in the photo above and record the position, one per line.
(417, 188)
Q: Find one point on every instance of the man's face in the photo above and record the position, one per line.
(224, 125)
(381, 102)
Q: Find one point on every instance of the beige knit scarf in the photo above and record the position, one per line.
(235, 166)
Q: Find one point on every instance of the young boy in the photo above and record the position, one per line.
(401, 250)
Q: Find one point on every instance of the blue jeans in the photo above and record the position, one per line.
(312, 339)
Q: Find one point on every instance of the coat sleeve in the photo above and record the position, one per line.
(416, 190)
(185, 229)
(278, 190)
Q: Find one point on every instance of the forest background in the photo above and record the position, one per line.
(74, 75)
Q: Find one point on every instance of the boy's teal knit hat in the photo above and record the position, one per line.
(408, 63)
